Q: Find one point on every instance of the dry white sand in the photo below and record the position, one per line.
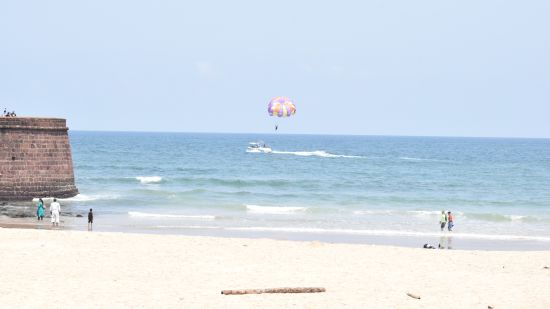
(70, 269)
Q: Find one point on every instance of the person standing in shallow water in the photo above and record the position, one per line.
(450, 223)
(443, 220)
(90, 219)
(40, 210)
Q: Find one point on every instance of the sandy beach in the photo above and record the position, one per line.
(69, 269)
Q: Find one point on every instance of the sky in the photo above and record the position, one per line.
(432, 68)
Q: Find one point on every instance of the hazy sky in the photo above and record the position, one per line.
(466, 68)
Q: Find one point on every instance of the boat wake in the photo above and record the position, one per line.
(316, 153)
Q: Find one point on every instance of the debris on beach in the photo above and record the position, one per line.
(413, 295)
(274, 290)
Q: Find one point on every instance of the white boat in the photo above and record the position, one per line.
(258, 148)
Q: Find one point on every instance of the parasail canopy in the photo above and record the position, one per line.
(281, 107)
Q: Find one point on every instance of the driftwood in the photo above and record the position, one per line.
(274, 290)
(413, 295)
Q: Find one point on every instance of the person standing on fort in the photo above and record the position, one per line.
(55, 209)
(40, 210)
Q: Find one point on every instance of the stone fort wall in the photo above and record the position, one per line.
(35, 159)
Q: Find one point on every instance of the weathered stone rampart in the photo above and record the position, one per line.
(35, 159)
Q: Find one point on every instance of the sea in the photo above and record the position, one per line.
(378, 190)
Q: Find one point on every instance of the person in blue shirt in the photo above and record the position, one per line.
(40, 210)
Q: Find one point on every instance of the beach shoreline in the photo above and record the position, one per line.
(105, 269)
(443, 240)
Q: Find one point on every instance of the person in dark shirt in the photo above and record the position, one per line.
(90, 219)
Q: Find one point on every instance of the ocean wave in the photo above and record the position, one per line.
(109, 167)
(149, 179)
(387, 233)
(194, 170)
(238, 183)
(155, 215)
(413, 159)
(316, 153)
(373, 212)
(403, 212)
(80, 198)
(16, 207)
(277, 210)
(501, 217)
(151, 191)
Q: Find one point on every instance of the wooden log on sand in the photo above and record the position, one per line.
(274, 290)
(413, 295)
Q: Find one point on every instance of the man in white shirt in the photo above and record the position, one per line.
(55, 208)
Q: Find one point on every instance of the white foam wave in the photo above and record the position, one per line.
(83, 198)
(421, 213)
(388, 233)
(316, 153)
(277, 210)
(149, 179)
(422, 159)
(403, 212)
(155, 215)
(79, 198)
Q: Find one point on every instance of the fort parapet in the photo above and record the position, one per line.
(35, 159)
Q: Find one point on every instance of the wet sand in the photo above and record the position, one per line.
(445, 240)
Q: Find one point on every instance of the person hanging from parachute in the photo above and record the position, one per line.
(281, 107)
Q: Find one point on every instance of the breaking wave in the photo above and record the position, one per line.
(81, 198)
(149, 179)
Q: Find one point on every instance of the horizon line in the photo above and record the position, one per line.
(318, 134)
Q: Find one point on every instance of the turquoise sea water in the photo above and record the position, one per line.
(357, 188)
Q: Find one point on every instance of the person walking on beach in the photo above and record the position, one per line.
(450, 223)
(55, 209)
(90, 219)
(40, 210)
(443, 220)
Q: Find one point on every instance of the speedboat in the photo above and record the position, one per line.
(258, 148)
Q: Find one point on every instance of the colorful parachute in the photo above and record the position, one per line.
(281, 107)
